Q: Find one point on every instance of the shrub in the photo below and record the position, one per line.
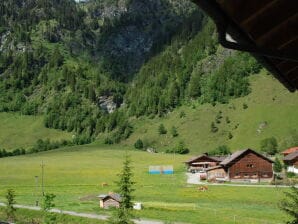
(291, 174)
(139, 144)
(162, 130)
(230, 136)
(220, 150)
(180, 149)
(269, 146)
(244, 106)
(174, 132)
(108, 141)
(182, 114)
(277, 166)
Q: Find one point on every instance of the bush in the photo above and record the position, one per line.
(162, 130)
(277, 166)
(180, 149)
(291, 174)
(230, 136)
(174, 132)
(182, 114)
(220, 150)
(244, 106)
(139, 144)
(269, 146)
(108, 141)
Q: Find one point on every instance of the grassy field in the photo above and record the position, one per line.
(269, 103)
(23, 131)
(29, 216)
(75, 175)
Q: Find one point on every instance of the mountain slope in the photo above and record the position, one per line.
(271, 112)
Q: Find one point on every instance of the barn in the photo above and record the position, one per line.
(244, 165)
(109, 200)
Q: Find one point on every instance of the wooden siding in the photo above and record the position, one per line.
(250, 166)
(109, 202)
(216, 173)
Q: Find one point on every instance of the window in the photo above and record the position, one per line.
(250, 165)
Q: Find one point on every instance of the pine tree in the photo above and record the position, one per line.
(125, 184)
(48, 204)
(277, 166)
(10, 209)
(290, 205)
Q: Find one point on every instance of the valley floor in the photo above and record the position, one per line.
(75, 175)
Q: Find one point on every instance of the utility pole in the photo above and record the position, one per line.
(42, 177)
(36, 190)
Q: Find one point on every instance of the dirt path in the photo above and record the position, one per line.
(84, 215)
(193, 178)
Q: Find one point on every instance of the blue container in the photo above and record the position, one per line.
(168, 172)
(154, 172)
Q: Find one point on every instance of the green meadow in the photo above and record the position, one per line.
(75, 175)
(23, 131)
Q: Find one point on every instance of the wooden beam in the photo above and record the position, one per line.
(269, 18)
(240, 10)
(280, 33)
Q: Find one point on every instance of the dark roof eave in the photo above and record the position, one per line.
(224, 23)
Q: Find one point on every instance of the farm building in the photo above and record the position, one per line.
(289, 151)
(203, 162)
(241, 166)
(109, 200)
(291, 160)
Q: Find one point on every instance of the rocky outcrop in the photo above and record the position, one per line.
(107, 104)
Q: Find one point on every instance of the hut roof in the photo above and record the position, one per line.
(116, 197)
(291, 156)
(290, 150)
(214, 158)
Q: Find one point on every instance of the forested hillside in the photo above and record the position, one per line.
(92, 68)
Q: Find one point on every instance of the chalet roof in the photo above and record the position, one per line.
(239, 153)
(265, 28)
(291, 156)
(114, 196)
(214, 168)
(218, 158)
(290, 150)
(214, 158)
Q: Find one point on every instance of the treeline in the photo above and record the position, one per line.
(46, 145)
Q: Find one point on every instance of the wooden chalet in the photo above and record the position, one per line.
(109, 200)
(244, 165)
(291, 160)
(203, 162)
